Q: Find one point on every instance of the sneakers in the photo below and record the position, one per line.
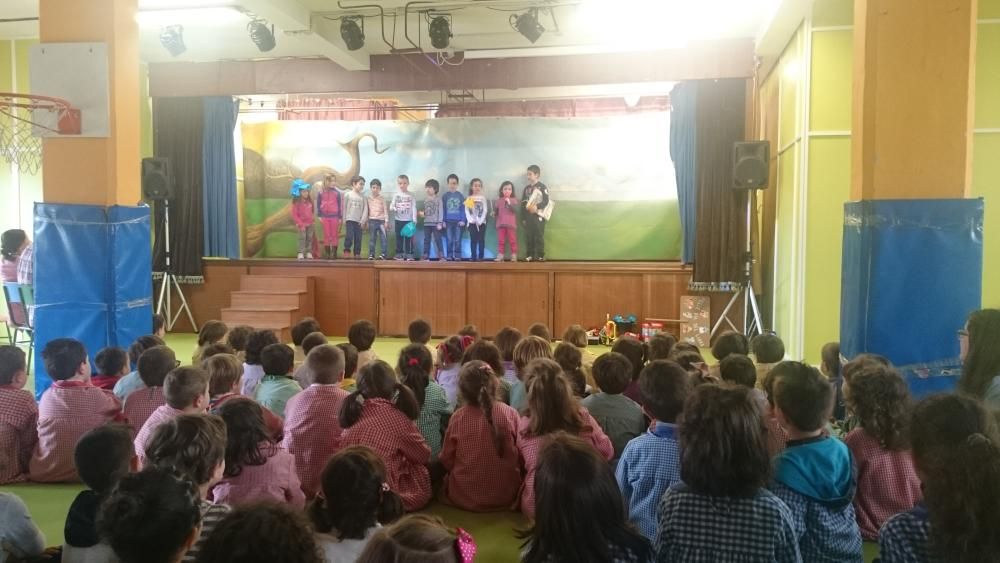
(540, 259)
(513, 258)
(499, 258)
(309, 255)
(301, 256)
(528, 259)
(371, 256)
(410, 258)
(381, 257)
(398, 258)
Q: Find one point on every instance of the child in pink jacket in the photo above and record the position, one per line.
(302, 215)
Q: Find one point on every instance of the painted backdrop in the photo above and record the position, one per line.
(611, 178)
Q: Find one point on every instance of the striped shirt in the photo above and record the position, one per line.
(210, 516)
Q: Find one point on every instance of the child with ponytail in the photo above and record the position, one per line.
(956, 449)
(481, 445)
(381, 415)
(414, 369)
(354, 501)
(449, 360)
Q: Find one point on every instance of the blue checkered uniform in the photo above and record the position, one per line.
(650, 463)
(696, 528)
(903, 538)
(825, 534)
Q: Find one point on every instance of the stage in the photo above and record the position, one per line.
(490, 295)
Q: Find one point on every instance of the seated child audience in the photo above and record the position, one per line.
(419, 332)
(721, 509)
(955, 451)
(257, 469)
(570, 359)
(216, 349)
(237, 339)
(224, 372)
(414, 369)
(151, 517)
(361, 335)
(210, 333)
(684, 346)
(280, 533)
(577, 336)
(419, 537)
(131, 382)
(381, 415)
(621, 418)
(312, 424)
(193, 445)
(573, 485)
(541, 331)
(768, 351)
(480, 445)
(350, 366)
(449, 362)
(692, 362)
(469, 330)
(635, 351)
(739, 370)
(102, 456)
(20, 537)
(18, 416)
(486, 351)
(154, 365)
(312, 340)
(730, 343)
(661, 345)
(776, 435)
(186, 392)
(527, 349)
(277, 386)
(506, 340)
(856, 365)
(112, 365)
(302, 329)
(67, 410)
(814, 474)
(551, 408)
(253, 372)
(651, 463)
(887, 482)
(353, 505)
(830, 367)
(159, 326)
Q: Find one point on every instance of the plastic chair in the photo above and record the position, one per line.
(19, 316)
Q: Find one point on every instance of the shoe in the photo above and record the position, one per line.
(410, 259)
(425, 259)
(309, 255)
(528, 259)
(398, 258)
(371, 256)
(540, 259)
(381, 257)
(513, 258)
(301, 256)
(498, 258)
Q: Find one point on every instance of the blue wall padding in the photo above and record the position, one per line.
(912, 273)
(92, 279)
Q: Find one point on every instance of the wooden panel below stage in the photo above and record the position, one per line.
(451, 294)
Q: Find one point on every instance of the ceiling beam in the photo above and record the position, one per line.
(295, 19)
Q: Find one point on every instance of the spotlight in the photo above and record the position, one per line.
(261, 35)
(527, 25)
(172, 39)
(352, 33)
(440, 32)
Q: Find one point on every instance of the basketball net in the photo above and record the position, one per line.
(22, 117)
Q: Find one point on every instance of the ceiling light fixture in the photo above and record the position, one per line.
(527, 25)
(172, 39)
(261, 35)
(352, 33)
(440, 32)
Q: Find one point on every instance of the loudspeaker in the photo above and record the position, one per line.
(156, 181)
(751, 165)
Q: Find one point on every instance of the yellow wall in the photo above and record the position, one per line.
(986, 144)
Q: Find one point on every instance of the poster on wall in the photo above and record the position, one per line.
(611, 177)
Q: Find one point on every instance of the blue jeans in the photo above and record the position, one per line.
(455, 240)
(352, 240)
(376, 233)
(432, 232)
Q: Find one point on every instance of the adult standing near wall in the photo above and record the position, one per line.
(980, 352)
(12, 243)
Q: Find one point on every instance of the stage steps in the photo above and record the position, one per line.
(271, 302)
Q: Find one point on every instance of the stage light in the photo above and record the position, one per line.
(172, 39)
(352, 33)
(527, 25)
(440, 32)
(261, 35)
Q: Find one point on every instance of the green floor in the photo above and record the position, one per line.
(494, 533)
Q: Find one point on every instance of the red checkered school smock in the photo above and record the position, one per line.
(396, 439)
(887, 482)
(161, 415)
(312, 431)
(67, 411)
(530, 446)
(478, 478)
(275, 480)
(275, 426)
(18, 433)
(140, 405)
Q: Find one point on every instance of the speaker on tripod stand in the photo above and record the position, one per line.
(751, 167)
(158, 189)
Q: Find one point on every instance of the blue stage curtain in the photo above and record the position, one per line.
(221, 227)
(683, 140)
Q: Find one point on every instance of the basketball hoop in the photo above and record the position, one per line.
(24, 118)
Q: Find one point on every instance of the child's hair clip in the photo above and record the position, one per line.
(360, 399)
(465, 546)
(413, 362)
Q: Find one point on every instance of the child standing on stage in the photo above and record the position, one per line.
(534, 218)
(505, 211)
(377, 218)
(404, 211)
(454, 217)
(302, 214)
(476, 212)
(355, 214)
(330, 203)
(433, 215)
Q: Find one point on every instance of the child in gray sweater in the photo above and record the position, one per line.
(355, 213)
(433, 215)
